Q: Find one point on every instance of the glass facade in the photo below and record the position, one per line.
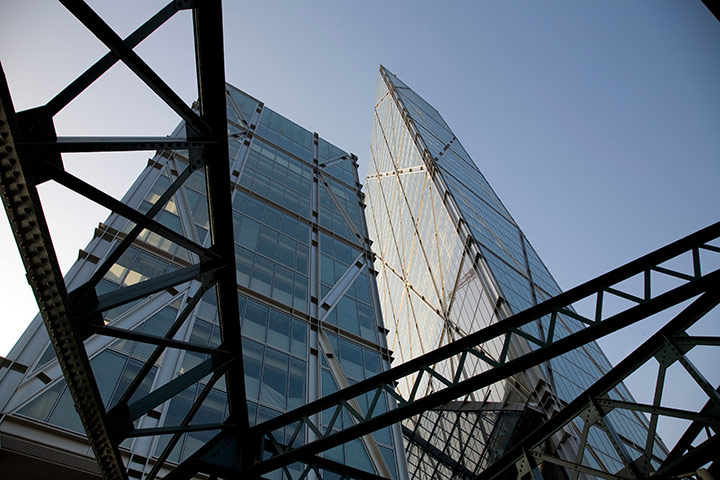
(309, 307)
(452, 260)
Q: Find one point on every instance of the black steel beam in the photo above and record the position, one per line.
(77, 86)
(113, 144)
(713, 7)
(210, 58)
(691, 433)
(657, 410)
(225, 441)
(116, 332)
(105, 34)
(207, 143)
(476, 406)
(207, 23)
(130, 237)
(692, 460)
(221, 456)
(502, 369)
(477, 382)
(213, 365)
(151, 432)
(101, 198)
(454, 466)
(185, 423)
(155, 355)
(342, 469)
(610, 380)
(86, 307)
(27, 221)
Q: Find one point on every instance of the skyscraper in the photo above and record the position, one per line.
(309, 307)
(452, 260)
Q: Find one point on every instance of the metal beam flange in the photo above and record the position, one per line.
(24, 211)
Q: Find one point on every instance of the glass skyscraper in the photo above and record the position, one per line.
(309, 307)
(452, 260)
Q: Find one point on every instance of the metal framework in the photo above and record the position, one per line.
(31, 154)
(449, 364)
(668, 346)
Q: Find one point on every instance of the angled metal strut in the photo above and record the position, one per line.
(451, 376)
(31, 155)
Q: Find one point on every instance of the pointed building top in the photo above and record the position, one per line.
(391, 78)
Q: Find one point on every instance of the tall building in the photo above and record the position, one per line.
(309, 306)
(452, 260)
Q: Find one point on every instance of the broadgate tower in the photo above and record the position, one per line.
(452, 261)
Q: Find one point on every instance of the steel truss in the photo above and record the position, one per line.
(451, 366)
(31, 154)
(668, 346)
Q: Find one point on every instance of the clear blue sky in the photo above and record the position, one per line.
(596, 122)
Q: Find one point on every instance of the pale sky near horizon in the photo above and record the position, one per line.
(596, 122)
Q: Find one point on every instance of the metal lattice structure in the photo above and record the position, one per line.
(448, 363)
(31, 154)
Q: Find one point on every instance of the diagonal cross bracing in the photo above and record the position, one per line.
(498, 368)
(27, 220)
(68, 316)
(207, 142)
(596, 397)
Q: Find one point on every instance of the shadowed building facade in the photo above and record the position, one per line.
(309, 308)
(452, 260)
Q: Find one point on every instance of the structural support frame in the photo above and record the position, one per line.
(31, 154)
(451, 386)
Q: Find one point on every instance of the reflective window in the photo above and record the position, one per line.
(135, 266)
(113, 372)
(272, 252)
(246, 106)
(286, 134)
(196, 195)
(278, 177)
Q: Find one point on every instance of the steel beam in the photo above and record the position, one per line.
(125, 295)
(162, 458)
(32, 136)
(131, 335)
(77, 86)
(155, 355)
(210, 58)
(454, 466)
(70, 317)
(600, 389)
(130, 237)
(214, 365)
(101, 198)
(127, 55)
(684, 444)
(27, 221)
(151, 432)
(113, 144)
(501, 368)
